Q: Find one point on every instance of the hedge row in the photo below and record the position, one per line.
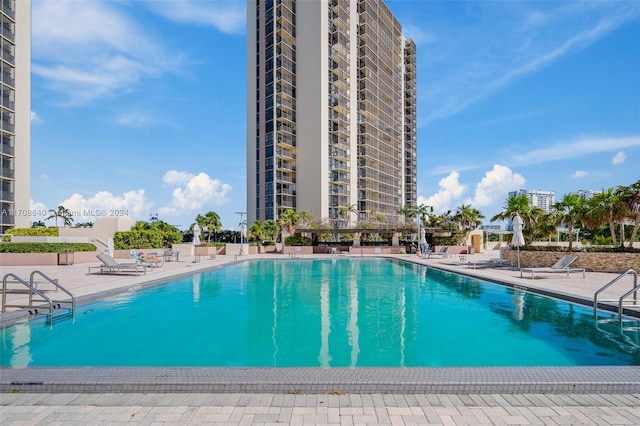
(583, 249)
(44, 247)
(33, 232)
(145, 239)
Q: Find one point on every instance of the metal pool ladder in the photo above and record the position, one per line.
(621, 301)
(32, 285)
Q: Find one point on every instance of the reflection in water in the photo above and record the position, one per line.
(196, 288)
(330, 313)
(20, 345)
(354, 331)
(518, 304)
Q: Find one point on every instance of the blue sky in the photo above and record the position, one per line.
(139, 106)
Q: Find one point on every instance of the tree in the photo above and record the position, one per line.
(62, 213)
(209, 222)
(604, 207)
(467, 219)
(256, 231)
(520, 205)
(38, 224)
(408, 212)
(630, 199)
(425, 213)
(346, 212)
(289, 219)
(568, 211)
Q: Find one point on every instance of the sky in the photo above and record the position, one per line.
(138, 106)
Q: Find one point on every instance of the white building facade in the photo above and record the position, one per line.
(15, 109)
(331, 110)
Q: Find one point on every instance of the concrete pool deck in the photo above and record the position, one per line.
(582, 395)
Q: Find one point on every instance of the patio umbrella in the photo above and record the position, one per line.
(423, 239)
(518, 238)
(196, 235)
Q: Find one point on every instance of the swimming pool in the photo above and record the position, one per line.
(323, 313)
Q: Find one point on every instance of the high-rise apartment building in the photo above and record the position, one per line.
(15, 109)
(543, 199)
(331, 109)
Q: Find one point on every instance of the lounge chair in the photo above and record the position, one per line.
(444, 252)
(561, 265)
(150, 259)
(111, 266)
(491, 263)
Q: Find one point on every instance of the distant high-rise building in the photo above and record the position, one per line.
(586, 194)
(15, 109)
(542, 199)
(331, 110)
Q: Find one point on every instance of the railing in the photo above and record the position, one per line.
(621, 299)
(51, 304)
(31, 288)
(56, 284)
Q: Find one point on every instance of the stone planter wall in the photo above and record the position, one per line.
(594, 262)
(41, 259)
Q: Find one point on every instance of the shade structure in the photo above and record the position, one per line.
(196, 235)
(518, 237)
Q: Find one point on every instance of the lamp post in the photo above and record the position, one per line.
(241, 232)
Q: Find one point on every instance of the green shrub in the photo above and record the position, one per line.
(33, 232)
(145, 239)
(297, 240)
(211, 245)
(44, 247)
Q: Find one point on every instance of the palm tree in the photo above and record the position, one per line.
(520, 205)
(425, 213)
(211, 222)
(605, 207)
(468, 219)
(568, 211)
(288, 221)
(256, 231)
(38, 224)
(346, 212)
(270, 230)
(630, 199)
(63, 213)
(408, 212)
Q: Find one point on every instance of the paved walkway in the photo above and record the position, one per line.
(268, 409)
(554, 407)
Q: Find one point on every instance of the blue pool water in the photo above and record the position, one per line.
(334, 312)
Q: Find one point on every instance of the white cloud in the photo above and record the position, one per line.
(494, 186)
(195, 193)
(87, 50)
(38, 210)
(578, 174)
(450, 190)
(133, 204)
(523, 40)
(619, 158)
(226, 16)
(35, 118)
(572, 149)
(417, 34)
(174, 177)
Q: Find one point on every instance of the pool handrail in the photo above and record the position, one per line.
(31, 293)
(620, 300)
(57, 285)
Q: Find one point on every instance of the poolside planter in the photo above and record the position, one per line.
(65, 257)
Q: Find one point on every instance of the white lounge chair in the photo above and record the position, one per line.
(489, 263)
(444, 252)
(561, 265)
(111, 266)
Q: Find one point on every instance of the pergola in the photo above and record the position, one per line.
(357, 232)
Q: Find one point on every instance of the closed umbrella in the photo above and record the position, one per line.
(196, 235)
(423, 240)
(518, 237)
